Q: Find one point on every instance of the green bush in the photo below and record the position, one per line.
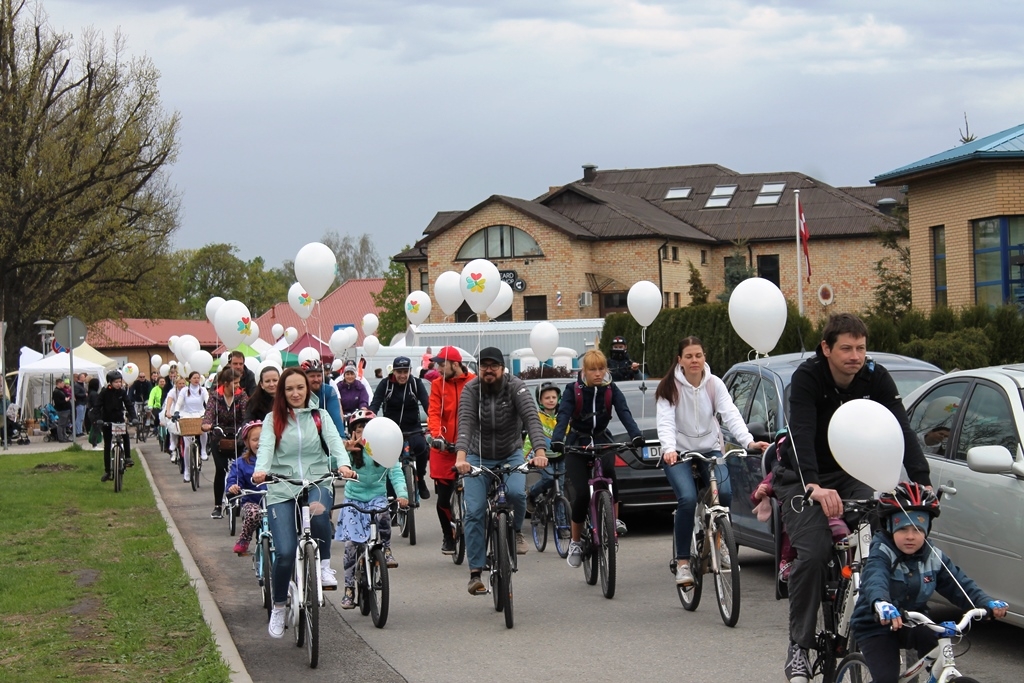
(960, 350)
(914, 324)
(883, 334)
(942, 319)
(1007, 333)
(979, 316)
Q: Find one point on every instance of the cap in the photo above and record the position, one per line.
(447, 353)
(402, 363)
(492, 353)
(349, 367)
(902, 519)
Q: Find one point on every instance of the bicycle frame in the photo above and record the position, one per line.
(598, 482)
(942, 654)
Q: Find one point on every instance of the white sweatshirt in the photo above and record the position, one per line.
(690, 424)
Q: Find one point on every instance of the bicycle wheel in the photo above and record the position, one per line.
(727, 578)
(409, 531)
(117, 464)
(539, 526)
(853, 669)
(380, 588)
(590, 568)
(362, 581)
(457, 533)
(560, 525)
(503, 549)
(264, 564)
(193, 465)
(606, 542)
(140, 432)
(311, 606)
(690, 597)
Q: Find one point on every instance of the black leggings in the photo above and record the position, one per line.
(882, 653)
(222, 462)
(444, 490)
(577, 473)
(421, 452)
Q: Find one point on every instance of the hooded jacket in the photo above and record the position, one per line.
(401, 402)
(491, 422)
(593, 418)
(115, 406)
(352, 396)
(240, 472)
(620, 366)
(372, 482)
(442, 421)
(690, 424)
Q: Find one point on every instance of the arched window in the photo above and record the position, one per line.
(499, 241)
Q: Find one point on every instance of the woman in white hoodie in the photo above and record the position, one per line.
(688, 399)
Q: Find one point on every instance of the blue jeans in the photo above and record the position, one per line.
(282, 518)
(79, 418)
(475, 494)
(680, 477)
(547, 477)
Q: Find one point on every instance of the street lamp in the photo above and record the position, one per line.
(45, 333)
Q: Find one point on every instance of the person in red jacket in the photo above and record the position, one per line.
(442, 412)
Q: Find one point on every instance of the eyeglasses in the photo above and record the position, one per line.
(490, 365)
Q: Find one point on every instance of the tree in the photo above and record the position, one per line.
(264, 288)
(966, 135)
(893, 293)
(212, 270)
(391, 302)
(698, 291)
(736, 270)
(86, 207)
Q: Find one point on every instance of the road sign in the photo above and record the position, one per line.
(69, 332)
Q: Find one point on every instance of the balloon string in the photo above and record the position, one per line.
(643, 376)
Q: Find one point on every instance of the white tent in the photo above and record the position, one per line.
(36, 380)
(86, 352)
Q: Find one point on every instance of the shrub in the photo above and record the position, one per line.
(913, 325)
(883, 334)
(1006, 332)
(942, 319)
(960, 350)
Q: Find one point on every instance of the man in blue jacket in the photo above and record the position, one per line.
(399, 397)
(325, 393)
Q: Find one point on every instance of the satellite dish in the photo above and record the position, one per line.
(826, 295)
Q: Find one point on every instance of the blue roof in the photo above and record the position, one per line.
(1008, 144)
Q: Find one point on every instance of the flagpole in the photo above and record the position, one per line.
(799, 275)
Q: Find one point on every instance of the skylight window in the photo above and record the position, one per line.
(720, 196)
(678, 193)
(770, 194)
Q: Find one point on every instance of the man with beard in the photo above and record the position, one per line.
(325, 393)
(621, 367)
(493, 410)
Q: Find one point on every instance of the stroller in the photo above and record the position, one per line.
(16, 431)
(48, 421)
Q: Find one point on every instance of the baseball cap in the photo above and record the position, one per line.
(447, 353)
(402, 363)
(494, 354)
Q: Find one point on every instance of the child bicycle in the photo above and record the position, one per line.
(939, 661)
(372, 582)
(552, 507)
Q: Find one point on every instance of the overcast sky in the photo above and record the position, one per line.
(308, 115)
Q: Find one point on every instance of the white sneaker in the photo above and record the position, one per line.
(276, 628)
(684, 577)
(328, 580)
(575, 555)
(204, 456)
(187, 478)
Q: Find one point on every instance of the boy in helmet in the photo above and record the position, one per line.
(115, 407)
(621, 367)
(548, 396)
(901, 573)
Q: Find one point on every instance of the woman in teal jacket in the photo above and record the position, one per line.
(299, 441)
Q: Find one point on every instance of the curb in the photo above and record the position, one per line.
(211, 613)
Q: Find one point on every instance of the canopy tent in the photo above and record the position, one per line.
(36, 380)
(260, 346)
(307, 341)
(86, 352)
(29, 356)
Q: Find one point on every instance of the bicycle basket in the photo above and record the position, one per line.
(190, 426)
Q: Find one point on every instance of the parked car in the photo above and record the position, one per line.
(971, 426)
(755, 387)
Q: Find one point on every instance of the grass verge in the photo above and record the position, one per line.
(90, 585)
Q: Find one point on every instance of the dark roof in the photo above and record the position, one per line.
(441, 218)
(1001, 146)
(872, 194)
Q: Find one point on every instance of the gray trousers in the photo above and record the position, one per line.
(811, 537)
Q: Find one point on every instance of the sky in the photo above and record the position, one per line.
(369, 117)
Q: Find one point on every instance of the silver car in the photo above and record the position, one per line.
(970, 425)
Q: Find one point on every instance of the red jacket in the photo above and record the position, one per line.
(441, 422)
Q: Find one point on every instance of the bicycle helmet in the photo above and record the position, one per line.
(618, 340)
(908, 504)
(545, 386)
(113, 376)
(358, 417)
(243, 433)
(313, 365)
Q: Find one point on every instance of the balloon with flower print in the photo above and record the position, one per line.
(130, 373)
(316, 268)
(480, 284)
(417, 307)
(300, 301)
(234, 323)
(290, 335)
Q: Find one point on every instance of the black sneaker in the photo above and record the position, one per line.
(424, 491)
(448, 546)
(217, 513)
(798, 669)
(106, 476)
(128, 462)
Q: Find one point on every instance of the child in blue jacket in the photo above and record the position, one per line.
(240, 477)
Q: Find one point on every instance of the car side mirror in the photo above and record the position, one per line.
(990, 460)
(759, 430)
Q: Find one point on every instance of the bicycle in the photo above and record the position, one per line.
(712, 545)
(305, 592)
(458, 508)
(405, 518)
(599, 542)
(118, 431)
(263, 555)
(853, 668)
(373, 585)
(552, 507)
(142, 427)
(499, 536)
(193, 427)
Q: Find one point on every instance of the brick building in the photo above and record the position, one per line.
(966, 214)
(575, 251)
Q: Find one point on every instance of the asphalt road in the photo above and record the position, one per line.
(564, 629)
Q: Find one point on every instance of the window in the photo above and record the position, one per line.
(741, 390)
(664, 253)
(498, 241)
(768, 268)
(999, 260)
(939, 251)
(770, 194)
(934, 416)
(465, 314)
(425, 281)
(535, 307)
(764, 405)
(703, 257)
(667, 300)
(678, 193)
(988, 421)
(720, 197)
(675, 253)
(676, 295)
(614, 302)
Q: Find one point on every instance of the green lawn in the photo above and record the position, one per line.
(90, 586)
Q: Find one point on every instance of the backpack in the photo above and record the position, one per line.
(578, 407)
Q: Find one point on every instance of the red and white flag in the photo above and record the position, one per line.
(804, 237)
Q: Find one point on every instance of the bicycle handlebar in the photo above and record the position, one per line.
(306, 483)
(598, 449)
(365, 511)
(918, 619)
(475, 471)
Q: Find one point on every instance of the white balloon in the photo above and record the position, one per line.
(417, 306)
(201, 361)
(370, 323)
(644, 302)
(253, 363)
(225, 358)
(448, 291)
(544, 340)
(274, 357)
(316, 267)
(867, 442)
(300, 301)
(130, 373)
(165, 370)
(172, 341)
(371, 345)
(277, 331)
(308, 353)
(234, 323)
(267, 364)
(251, 339)
(290, 335)
(212, 306)
(156, 361)
(502, 302)
(352, 338)
(337, 341)
(383, 441)
(757, 311)
(337, 365)
(480, 284)
(186, 347)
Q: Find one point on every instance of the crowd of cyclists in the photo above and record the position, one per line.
(299, 424)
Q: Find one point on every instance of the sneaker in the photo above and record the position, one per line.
(575, 555)
(276, 628)
(785, 568)
(620, 527)
(389, 558)
(684, 577)
(348, 601)
(328, 580)
(241, 548)
(424, 491)
(128, 462)
(217, 512)
(476, 585)
(186, 477)
(798, 669)
(531, 503)
(106, 476)
(521, 547)
(448, 547)
(204, 456)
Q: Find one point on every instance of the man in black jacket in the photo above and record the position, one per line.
(115, 407)
(620, 365)
(840, 371)
(62, 404)
(399, 398)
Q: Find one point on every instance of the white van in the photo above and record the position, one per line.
(386, 355)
